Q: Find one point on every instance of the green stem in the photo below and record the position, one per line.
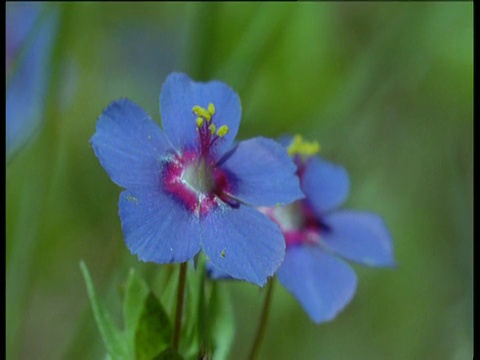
(179, 311)
(203, 315)
(263, 321)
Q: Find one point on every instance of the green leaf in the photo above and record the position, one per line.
(221, 321)
(195, 311)
(154, 331)
(209, 324)
(254, 44)
(111, 336)
(135, 295)
(168, 296)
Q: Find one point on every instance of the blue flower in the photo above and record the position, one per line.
(190, 187)
(30, 30)
(319, 236)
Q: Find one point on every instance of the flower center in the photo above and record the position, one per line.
(291, 217)
(297, 221)
(193, 177)
(199, 177)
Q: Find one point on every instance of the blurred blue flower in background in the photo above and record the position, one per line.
(31, 29)
(315, 235)
(189, 186)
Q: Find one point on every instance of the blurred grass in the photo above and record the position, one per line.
(387, 89)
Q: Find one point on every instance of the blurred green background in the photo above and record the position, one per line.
(387, 90)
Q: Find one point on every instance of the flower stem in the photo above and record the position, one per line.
(263, 321)
(179, 310)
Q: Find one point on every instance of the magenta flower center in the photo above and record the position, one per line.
(192, 176)
(297, 221)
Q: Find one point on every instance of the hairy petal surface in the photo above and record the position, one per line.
(264, 173)
(362, 237)
(157, 228)
(243, 243)
(326, 185)
(322, 284)
(129, 145)
(180, 94)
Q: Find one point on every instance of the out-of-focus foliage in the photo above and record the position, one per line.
(31, 30)
(387, 90)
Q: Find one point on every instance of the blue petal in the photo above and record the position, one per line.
(157, 228)
(180, 94)
(265, 174)
(243, 243)
(129, 145)
(285, 140)
(215, 273)
(29, 42)
(359, 236)
(322, 284)
(325, 184)
(20, 19)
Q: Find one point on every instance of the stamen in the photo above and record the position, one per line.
(301, 147)
(211, 109)
(222, 130)
(201, 112)
(212, 128)
(207, 130)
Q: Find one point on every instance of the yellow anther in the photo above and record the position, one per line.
(199, 121)
(211, 109)
(212, 128)
(300, 147)
(201, 112)
(222, 130)
(196, 109)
